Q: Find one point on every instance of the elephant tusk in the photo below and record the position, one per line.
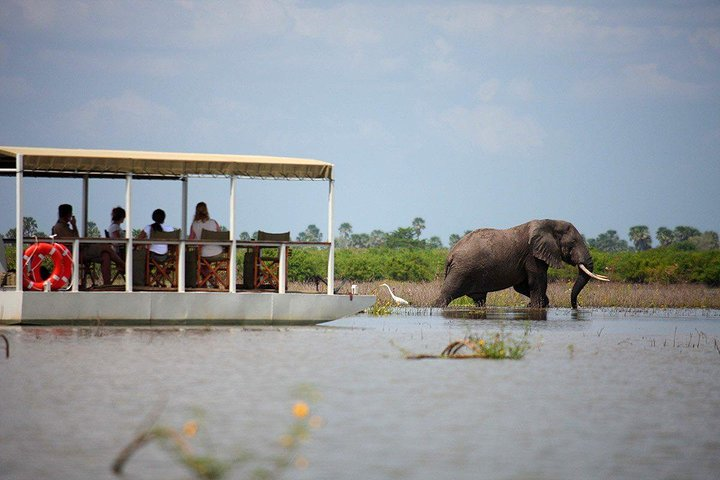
(602, 278)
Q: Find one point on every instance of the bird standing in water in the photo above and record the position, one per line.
(396, 299)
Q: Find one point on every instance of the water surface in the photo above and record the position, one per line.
(601, 394)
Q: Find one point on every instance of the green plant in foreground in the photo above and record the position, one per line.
(497, 345)
(204, 466)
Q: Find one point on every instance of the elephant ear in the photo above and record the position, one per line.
(545, 246)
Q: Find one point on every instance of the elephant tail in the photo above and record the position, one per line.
(448, 266)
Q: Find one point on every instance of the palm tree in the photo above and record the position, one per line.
(664, 236)
(92, 230)
(608, 242)
(377, 238)
(640, 236)
(683, 233)
(30, 229)
(311, 234)
(418, 224)
(345, 231)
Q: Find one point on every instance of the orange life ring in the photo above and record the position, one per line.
(62, 261)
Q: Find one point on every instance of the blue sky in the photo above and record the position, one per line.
(467, 114)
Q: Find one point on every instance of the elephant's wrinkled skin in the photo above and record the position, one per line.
(488, 260)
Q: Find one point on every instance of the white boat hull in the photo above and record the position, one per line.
(173, 308)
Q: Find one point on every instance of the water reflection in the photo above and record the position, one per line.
(637, 387)
(484, 313)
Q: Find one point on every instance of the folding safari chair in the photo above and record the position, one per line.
(118, 273)
(212, 272)
(266, 260)
(161, 270)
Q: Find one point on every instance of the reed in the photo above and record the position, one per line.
(595, 294)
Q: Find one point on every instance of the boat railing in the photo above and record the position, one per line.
(130, 244)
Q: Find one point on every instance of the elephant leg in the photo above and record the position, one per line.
(452, 288)
(538, 290)
(524, 289)
(479, 298)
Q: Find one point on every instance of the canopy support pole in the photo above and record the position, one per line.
(19, 270)
(331, 252)
(85, 202)
(128, 234)
(233, 246)
(183, 230)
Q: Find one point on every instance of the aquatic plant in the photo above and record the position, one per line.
(380, 308)
(205, 466)
(496, 345)
(7, 345)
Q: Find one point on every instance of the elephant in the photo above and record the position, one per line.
(487, 260)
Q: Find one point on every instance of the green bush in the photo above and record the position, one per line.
(664, 265)
(370, 264)
(306, 263)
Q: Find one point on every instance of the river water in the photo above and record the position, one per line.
(601, 394)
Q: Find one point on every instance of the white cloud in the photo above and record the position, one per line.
(217, 23)
(146, 64)
(125, 114)
(638, 81)
(495, 129)
(347, 25)
(550, 28)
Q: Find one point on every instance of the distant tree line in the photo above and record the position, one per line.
(681, 238)
(685, 255)
(30, 229)
(402, 237)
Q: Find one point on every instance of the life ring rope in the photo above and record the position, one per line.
(33, 257)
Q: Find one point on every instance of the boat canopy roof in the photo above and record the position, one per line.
(77, 162)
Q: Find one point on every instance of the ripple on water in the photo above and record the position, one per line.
(602, 394)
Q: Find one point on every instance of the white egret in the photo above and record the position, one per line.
(398, 300)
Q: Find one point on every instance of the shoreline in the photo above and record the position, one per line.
(595, 295)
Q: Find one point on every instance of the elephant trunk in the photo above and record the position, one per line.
(585, 273)
(580, 282)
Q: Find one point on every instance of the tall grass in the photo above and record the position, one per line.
(595, 294)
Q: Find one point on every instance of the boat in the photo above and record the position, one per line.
(133, 305)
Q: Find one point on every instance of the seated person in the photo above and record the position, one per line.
(202, 221)
(66, 227)
(117, 217)
(157, 250)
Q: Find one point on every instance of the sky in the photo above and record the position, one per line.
(466, 114)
